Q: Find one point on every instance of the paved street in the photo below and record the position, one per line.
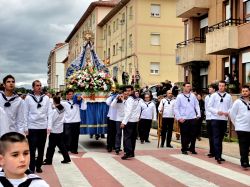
(93, 166)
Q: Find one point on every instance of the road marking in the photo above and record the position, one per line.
(68, 174)
(225, 172)
(232, 159)
(174, 172)
(121, 173)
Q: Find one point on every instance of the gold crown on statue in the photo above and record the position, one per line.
(89, 36)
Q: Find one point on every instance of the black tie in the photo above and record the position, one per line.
(247, 104)
(71, 105)
(187, 97)
(8, 104)
(38, 102)
(168, 101)
(221, 96)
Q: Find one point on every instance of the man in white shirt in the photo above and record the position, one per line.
(111, 131)
(240, 117)
(4, 127)
(187, 110)
(219, 104)
(129, 123)
(212, 88)
(37, 110)
(12, 105)
(148, 114)
(119, 104)
(166, 108)
(72, 121)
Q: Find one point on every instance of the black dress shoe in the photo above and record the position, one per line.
(147, 141)
(39, 170)
(218, 161)
(47, 163)
(194, 152)
(245, 165)
(142, 141)
(117, 151)
(210, 155)
(221, 159)
(125, 157)
(65, 161)
(162, 145)
(184, 152)
(170, 146)
(74, 152)
(109, 150)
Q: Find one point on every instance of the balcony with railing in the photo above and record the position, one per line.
(192, 50)
(191, 8)
(222, 38)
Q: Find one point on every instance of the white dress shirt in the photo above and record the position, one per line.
(186, 107)
(132, 110)
(167, 105)
(112, 111)
(72, 110)
(215, 105)
(56, 120)
(14, 111)
(148, 110)
(240, 115)
(5, 126)
(208, 113)
(119, 109)
(36, 117)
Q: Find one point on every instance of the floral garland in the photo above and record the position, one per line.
(89, 79)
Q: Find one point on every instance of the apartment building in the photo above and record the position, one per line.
(140, 35)
(56, 69)
(216, 41)
(88, 22)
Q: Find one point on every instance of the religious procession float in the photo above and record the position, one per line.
(88, 76)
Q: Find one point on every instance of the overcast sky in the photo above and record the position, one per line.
(29, 29)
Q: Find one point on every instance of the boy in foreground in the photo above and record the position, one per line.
(14, 160)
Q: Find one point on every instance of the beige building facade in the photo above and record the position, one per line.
(217, 41)
(88, 22)
(56, 68)
(140, 35)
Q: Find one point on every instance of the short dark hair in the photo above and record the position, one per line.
(10, 138)
(214, 86)
(185, 83)
(222, 81)
(69, 90)
(56, 99)
(130, 86)
(34, 82)
(246, 86)
(8, 77)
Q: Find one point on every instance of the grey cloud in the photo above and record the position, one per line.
(29, 30)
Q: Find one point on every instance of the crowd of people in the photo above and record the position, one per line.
(133, 112)
(130, 116)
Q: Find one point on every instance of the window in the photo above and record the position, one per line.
(155, 10)
(123, 44)
(155, 39)
(227, 10)
(114, 50)
(114, 26)
(131, 13)
(108, 53)
(155, 68)
(123, 18)
(130, 41)
(247, 10)
(117, 48)
(246, 63)
(117, 24)
(186, 30)
(109, 30)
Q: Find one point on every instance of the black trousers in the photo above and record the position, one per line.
(199, 124)
(144, 129)
(37, 140)
(219, 128)
(111, 132)
(167, 129)
(130, 134)
(56, 139)
(210, 137)
(71, 132)
(188, 132)
(244, 144)
(118, 136)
